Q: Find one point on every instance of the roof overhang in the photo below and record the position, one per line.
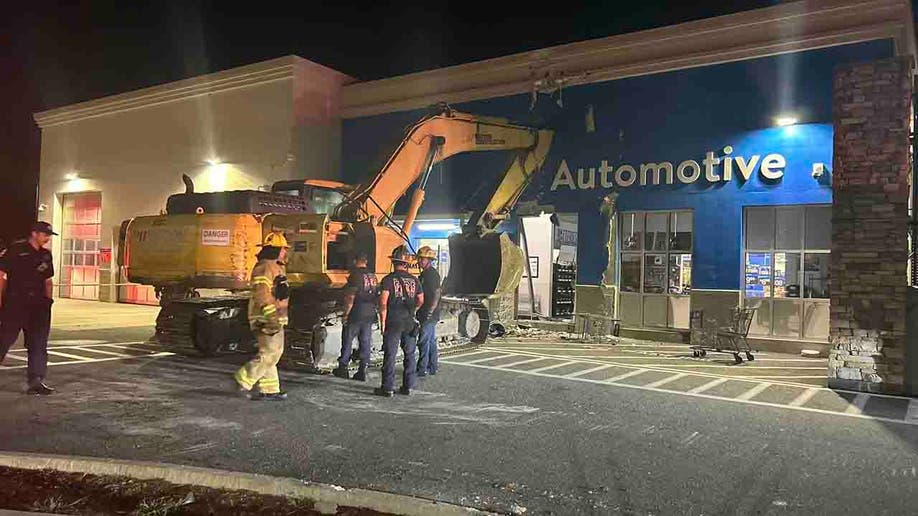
(786, 28)
(280, 69)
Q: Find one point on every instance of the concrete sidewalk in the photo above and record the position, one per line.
(73, 314)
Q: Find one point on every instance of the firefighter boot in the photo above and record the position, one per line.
(341, 372)
(360, 375)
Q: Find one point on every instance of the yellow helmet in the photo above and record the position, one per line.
(274, 239)
(427, 252)
(400, 254)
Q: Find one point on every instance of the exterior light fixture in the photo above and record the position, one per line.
(786, 120)
(71, 176)
(213, 161)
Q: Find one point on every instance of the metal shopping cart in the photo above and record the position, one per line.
(730, 339)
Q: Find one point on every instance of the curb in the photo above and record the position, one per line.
(327, 497)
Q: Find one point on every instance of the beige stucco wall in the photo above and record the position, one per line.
(239, 138)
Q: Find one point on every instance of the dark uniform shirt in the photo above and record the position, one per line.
(26, 270)
(430, 280)
(362, 283)
(404, 290)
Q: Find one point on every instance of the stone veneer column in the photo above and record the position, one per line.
(870, 184)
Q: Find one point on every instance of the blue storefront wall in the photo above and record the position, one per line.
(670, 117)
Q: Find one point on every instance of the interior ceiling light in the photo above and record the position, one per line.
(785, 120)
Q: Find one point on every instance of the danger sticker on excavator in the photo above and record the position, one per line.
(216, 237)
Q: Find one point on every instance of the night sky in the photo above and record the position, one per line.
(56, 54)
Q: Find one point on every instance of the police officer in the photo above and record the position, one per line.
(399, 299)
(25, 302)
(429, 313)
(360, 301)
(267, 318)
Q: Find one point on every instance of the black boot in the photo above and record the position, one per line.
(260, 396)
(404, 391)
(379, 391)
(39, 388)
(360, 375)
(341, 372)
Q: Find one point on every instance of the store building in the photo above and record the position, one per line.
(693, 167)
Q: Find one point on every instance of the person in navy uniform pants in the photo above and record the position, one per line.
(400, 297)
(360, 301)
(26, 288)
(429, 313)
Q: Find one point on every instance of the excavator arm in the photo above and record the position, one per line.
(437, 138)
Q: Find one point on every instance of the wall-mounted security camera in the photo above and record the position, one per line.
(819, 170)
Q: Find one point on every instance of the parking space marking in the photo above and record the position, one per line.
(664, 381)
(751, 393)
(588, 371)
(68, 355)
(521, 362)
(625, 375)
(92, 351)
(665, 368)
(708, 386)
(745, 398)
(804, 397)
(554, 366)
(486, 359)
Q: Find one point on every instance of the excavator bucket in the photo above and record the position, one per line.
(483, 266)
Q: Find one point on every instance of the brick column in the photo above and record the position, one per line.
(870, 186)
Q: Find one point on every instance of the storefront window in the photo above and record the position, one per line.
(632, 232)
(656, 267)
(758, 275)
(681, 236)
(631, 273)
(786, 261)
(816, 275)
(654, 273)
(680, 273)
(655, 238)
(787, 275)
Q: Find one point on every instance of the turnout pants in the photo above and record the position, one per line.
(363, 331)
(34, 320)
(262, 370)
(427, 347)
(394, 337)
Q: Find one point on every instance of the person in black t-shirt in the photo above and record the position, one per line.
(399, 299)
(429, 313)
(360, 301)
(26, 288)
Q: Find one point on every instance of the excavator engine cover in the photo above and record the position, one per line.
(483, 265)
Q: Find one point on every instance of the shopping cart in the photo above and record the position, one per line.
(730, 339)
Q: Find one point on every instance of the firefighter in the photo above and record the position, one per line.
(360, 301)
(429, 313)
(26, 288)
(400, 297)
(267, 318)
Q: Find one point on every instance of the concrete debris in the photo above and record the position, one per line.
(517, 509)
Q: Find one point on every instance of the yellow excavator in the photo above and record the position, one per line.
(207, 241)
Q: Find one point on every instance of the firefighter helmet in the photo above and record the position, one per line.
(274, 239)
(400, 254)
(427, 252)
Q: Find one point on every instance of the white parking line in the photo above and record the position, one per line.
(588, 371)
(857, 405)
(665, 381)
(912, 420)
(93, 360)
(17, 357)
(708, 386)
(478, 361)
(110, 353)
(521, 362)
(804, 397)
(462, 355)
(625, 375)
(68, 355)
(555, 366)
(753, 392)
